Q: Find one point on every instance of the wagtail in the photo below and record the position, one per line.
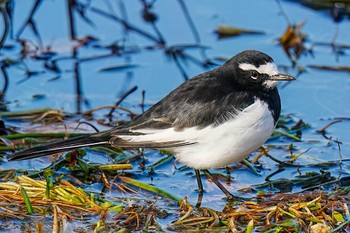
(210, 121)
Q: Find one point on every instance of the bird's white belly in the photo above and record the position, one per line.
(224, 144)
(230, 142)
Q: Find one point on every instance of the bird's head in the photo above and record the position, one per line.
(254, 70)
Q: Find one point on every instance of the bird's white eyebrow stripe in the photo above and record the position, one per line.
(268, 68)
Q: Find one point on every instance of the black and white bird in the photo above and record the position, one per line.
(210, 121)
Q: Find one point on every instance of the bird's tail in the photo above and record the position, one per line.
(57, 147)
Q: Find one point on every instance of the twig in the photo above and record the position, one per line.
(5, 24)
(151, 18)
(70, 5)
(6, 83)
(89, 112)
(283, 12)
(323, 130)
(126, 25)
(178, 64)
(126, 94)
(86, 123)
(30, 21)
(143, 101)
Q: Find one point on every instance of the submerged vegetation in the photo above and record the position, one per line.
(286, 186)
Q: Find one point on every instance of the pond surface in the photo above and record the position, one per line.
(65, 74)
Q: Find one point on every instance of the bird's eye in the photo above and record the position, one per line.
(254, 74)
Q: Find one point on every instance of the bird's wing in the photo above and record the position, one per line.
(119, 141)
(123, 137)
(202, 101)
(199, 102)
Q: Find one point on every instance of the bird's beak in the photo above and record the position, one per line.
(281, 77)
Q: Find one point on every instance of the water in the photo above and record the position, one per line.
(317, 97)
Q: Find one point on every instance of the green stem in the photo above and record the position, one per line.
(27, 201)
(149, 188)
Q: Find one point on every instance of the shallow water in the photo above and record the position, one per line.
(317, 97)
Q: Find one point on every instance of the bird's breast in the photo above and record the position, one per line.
(230, 141)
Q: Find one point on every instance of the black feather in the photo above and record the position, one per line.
(58, 147)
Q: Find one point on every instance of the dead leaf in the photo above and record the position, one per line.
(293, 40)
(224, 31)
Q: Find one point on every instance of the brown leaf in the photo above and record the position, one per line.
(293, 40)
(228, 31)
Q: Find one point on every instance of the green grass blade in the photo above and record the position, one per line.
(27, 201)
(149, 188)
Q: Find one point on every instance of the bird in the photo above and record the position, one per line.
(210, 121)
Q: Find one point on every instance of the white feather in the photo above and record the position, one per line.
(221, 145)
(268, 68)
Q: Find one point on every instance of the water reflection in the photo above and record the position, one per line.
(91, 57)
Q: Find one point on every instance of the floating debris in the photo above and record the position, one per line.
(330, 68)
(224, 31)
(42, 115)
(293, 40)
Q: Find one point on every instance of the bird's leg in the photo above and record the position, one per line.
(199, 181)
(200, 188)
(220, 186)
